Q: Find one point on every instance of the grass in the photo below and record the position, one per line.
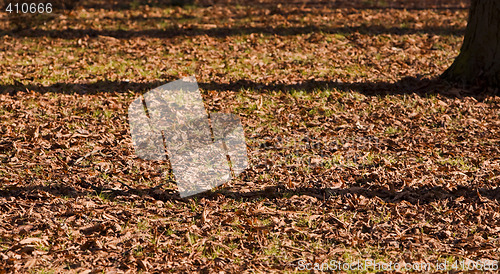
(392, 130)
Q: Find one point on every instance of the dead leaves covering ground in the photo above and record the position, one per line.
(346, 163)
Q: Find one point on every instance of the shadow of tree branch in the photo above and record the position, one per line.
(223, 32)
(407, 85)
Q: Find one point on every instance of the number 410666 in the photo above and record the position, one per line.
(29, 8)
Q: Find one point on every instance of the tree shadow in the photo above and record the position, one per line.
(98, 87)
(374, 4)
(224, 32)
(415, 196)
(86, 189)
(134, 4)
(25, 24)
(406, 85)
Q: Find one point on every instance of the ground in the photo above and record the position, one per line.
(356, 152)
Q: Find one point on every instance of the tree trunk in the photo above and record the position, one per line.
(479, 60)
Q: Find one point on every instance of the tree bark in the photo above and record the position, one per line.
(479, 60)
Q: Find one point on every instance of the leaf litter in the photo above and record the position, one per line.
(347, 161)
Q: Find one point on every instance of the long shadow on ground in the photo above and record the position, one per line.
(378, 4)
(223, 32)
(407, 85)
(414, 196)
